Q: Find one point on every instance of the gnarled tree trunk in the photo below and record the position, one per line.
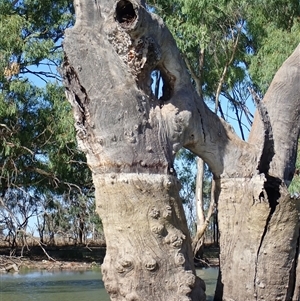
(125, 133)
(130, 139)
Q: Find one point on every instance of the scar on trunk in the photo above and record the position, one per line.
(141, 52)
(125, 13)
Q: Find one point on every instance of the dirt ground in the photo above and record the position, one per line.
(57, 258)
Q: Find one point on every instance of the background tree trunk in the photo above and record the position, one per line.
(202, 220)
(198, 240)
(130, 138)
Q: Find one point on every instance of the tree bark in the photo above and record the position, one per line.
(130, 139)
(147, 239)
(198, 240)
(202, 221)
(258, 241)
(258, 219)
(109, 57)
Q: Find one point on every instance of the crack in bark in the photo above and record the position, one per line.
(78, 97)
(202, 124)
(272, 191)
(293, 273)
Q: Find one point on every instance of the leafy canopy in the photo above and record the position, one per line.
(231, 45)
(39, 159)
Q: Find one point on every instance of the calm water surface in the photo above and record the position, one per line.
(68, 286)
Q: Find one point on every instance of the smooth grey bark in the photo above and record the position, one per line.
(130, 139)
(198, 240)
(202, 220)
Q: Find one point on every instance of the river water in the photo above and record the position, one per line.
(69, 286)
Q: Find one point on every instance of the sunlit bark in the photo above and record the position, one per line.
(130, 138)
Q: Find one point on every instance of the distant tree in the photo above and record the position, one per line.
(16, 209)
(38, 149)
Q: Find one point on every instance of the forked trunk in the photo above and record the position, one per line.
(130, 138)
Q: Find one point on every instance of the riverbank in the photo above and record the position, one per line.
(71, 258)
(16, 264)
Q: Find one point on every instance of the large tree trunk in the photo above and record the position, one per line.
(258, 220)
(258, 242)
(122, 129)
(130, 138)
(148, 246)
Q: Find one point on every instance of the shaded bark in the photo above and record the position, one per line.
(130, 139)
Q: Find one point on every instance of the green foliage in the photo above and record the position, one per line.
(274, 33)
(38, 150)
(36, 122)
(294, 188)
(213, 27)
(243, 43)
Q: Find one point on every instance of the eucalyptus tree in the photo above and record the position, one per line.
(38, 149)
(230, 46)
(15, 211)
(31, 115)
(131, 137)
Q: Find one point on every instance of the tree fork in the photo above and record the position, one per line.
(130, 135)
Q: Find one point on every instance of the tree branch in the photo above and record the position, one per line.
(282, 102)
(224, 73)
